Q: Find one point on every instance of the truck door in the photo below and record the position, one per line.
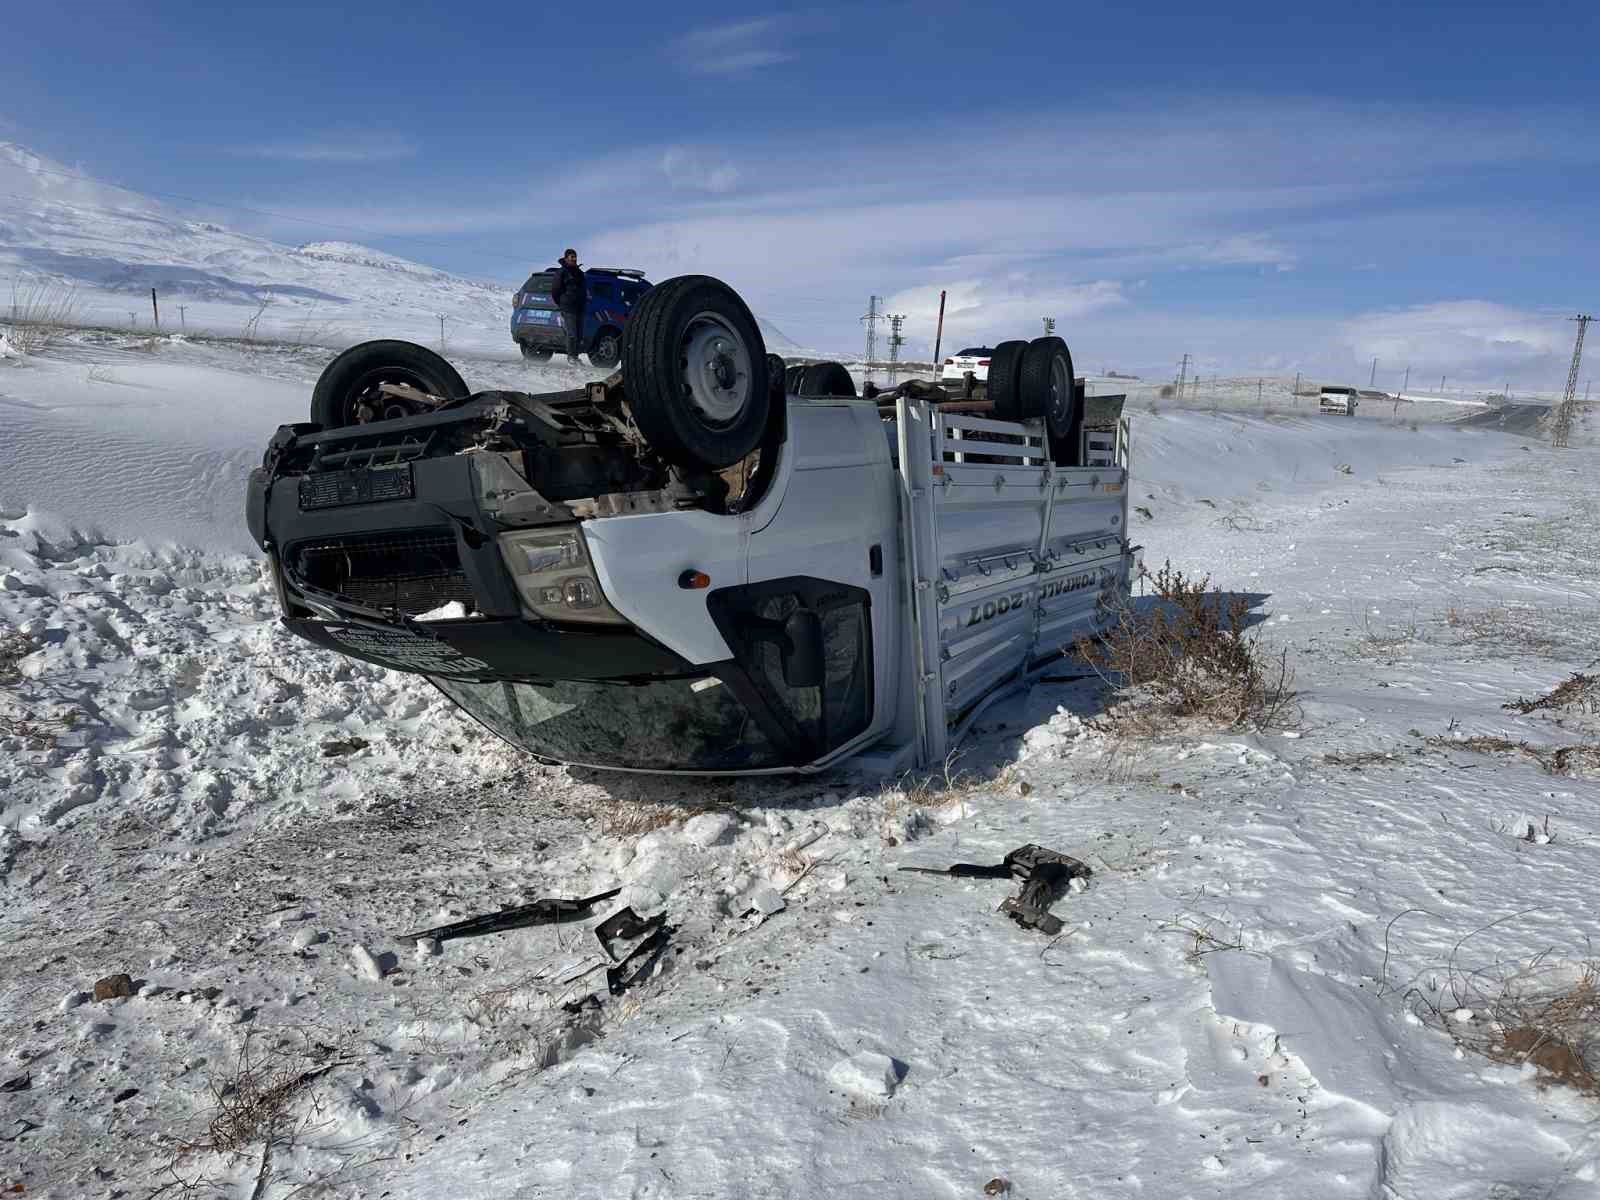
(828, 547)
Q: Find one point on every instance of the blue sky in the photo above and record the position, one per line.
(1262, 186)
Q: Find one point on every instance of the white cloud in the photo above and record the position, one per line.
(730, 49)
(698, 170)
(332, 148)
(1471, 339)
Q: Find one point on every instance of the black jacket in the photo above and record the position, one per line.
(570, 290)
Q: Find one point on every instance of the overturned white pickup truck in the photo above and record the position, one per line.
(691, 567)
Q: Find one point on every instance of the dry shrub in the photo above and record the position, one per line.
(1578, 692)
(37, 732)
(1501, 624)
(252, 1101)
(1190, 654)
(1556, 760)
(635, 818)
(1543, 1015)
(14, 647)
(1167, 391)
(40, 311)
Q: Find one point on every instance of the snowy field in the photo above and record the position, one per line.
(1269, 988)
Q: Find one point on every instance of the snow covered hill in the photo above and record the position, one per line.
(110, 247)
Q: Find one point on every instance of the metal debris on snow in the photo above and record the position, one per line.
(1045, 874)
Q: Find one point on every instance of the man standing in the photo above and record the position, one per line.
(571, 294)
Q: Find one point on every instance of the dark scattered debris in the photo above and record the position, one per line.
(20, 1084)
(553, 911)
(1045, 875)
(125, 1094)
(342, 746)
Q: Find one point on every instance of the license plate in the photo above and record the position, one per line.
(334, 489)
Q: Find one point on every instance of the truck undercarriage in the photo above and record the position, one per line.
(642, 575)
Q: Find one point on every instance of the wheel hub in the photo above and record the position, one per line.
(1060, 388)
(716, 370)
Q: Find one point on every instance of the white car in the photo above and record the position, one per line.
(1339, 401)
(974, 359)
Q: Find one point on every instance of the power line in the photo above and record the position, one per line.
(871, 319)
(1569, 398)
(895, 342)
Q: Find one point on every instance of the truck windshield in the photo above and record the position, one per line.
(681, 724)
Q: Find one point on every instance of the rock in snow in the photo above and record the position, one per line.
(868, 1074)
(709, 829)
(364, 963)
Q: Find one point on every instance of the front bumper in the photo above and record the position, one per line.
(359, 553)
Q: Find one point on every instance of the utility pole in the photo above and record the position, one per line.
(1407, 383)
(441, 333)
(183, 319)
(133, 320)
(1441, 385)
(1569, 398)
(871, 321)
(1049, 325)
(895, 342)
(1294, 396)
(1373, 382)
(1183, 375)
(155, 309)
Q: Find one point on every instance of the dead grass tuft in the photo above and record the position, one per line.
(635, 818)
(41, 310)
(1501, 624)
(1578, 692)
(253, 1101)
(1190, 655)
(36, 732)
(14, 647)
(1540, 1015)
(1556, 760)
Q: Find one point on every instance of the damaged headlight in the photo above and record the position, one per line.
(554, 575)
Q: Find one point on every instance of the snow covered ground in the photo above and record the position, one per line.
(1242, 1002)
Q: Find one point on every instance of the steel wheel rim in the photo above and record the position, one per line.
(716, 370)
(1060, 388)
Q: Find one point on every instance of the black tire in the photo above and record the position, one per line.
(346, 391)
(775, 375)
(791, 379)
(535, 353)
(696, 372)
(1048, 386)
(826, 379)
(606, 351)
(1005, 379)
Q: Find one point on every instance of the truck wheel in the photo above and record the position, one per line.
(791, 379)
(826, 379)
(607, 348)
(695, 372)
(347, 390)
(1005, 379)
(534, 353)
(1048, 386)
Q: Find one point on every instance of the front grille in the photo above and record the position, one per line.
(412, 572)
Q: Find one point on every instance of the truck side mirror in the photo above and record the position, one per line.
(802, 650)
